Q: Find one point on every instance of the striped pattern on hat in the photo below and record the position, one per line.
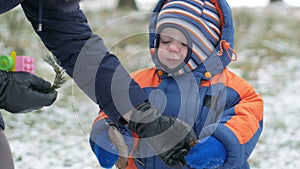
(200, 19)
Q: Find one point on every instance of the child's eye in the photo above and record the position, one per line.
(184, 44)
(165, 41)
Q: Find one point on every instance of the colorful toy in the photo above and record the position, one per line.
(16, 63)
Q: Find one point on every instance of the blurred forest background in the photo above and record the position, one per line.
(267, 40)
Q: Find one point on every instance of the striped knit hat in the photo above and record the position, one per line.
(199, 21)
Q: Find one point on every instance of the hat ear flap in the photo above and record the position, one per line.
(153, 22)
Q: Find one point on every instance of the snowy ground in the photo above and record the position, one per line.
(56, 137)
(279, 146)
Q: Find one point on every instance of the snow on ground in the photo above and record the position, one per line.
(56, 137)
(279, 146)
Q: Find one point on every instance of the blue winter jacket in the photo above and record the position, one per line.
(212, 99)
(64, 30)
(225, 107)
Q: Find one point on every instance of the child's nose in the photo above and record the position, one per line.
(174, 47)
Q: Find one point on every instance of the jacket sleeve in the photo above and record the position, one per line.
(84, 56)
(6, 5)
(241, 120)
(64, 31)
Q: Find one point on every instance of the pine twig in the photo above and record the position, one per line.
(60, 77)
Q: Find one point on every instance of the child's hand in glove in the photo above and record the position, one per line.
(208, 153)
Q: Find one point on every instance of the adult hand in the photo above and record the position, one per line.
(208, 153)
(22, 92)
(169, 137)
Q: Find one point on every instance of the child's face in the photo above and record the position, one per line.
(173, 47)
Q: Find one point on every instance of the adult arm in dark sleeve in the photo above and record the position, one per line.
(66, 33)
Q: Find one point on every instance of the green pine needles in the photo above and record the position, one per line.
(60, 77)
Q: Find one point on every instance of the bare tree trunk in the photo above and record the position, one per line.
(127, 4)
(271, 1)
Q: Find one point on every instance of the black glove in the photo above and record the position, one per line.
(169, 137)
(20, 92)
